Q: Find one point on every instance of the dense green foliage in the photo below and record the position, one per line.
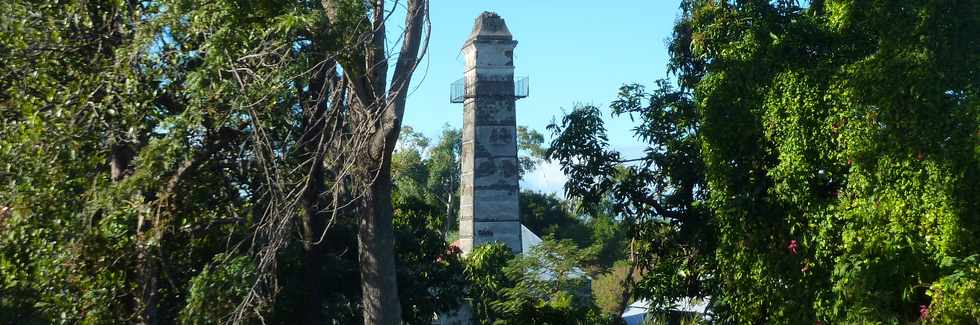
(548, 215)
(808, 164)
(430, 173)
(171, 161)
(543, 286)
(608, 290)
(484, 270)
(549, 285)
(79, 81)
(502, 288)
(146, 148)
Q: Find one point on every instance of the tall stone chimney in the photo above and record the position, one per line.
(488, 209)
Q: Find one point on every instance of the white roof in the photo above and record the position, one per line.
(636, 312)
(528, 239)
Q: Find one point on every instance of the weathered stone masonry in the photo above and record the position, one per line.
(490, 182)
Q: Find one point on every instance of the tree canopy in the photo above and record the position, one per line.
(805, 164)
(165, 161)
(202, 162)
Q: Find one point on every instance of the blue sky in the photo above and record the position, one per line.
(573, 52)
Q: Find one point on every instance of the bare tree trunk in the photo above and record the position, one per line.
(376, 242)
(377, 236)
(383, 110)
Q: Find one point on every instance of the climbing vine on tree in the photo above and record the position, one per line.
(174, 161)
(836, 157)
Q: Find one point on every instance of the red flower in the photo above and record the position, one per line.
(792, 246)
(923, 312)
(453, 250)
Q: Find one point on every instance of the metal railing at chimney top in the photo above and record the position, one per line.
(458, 90)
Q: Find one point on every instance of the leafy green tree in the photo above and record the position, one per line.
(484, 271)
(813, 163)
(444, 174)
(608, 290)
(551, 268)
(654, 203)
(549, 287)
(608, 233)
(84, 99)
(430, 273)
(530, 146)
(543, 286)
(148, 147)
(431, 170)
(548, 215)
(214, 293)
(430, 173)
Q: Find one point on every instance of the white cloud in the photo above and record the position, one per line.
(547, 178)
